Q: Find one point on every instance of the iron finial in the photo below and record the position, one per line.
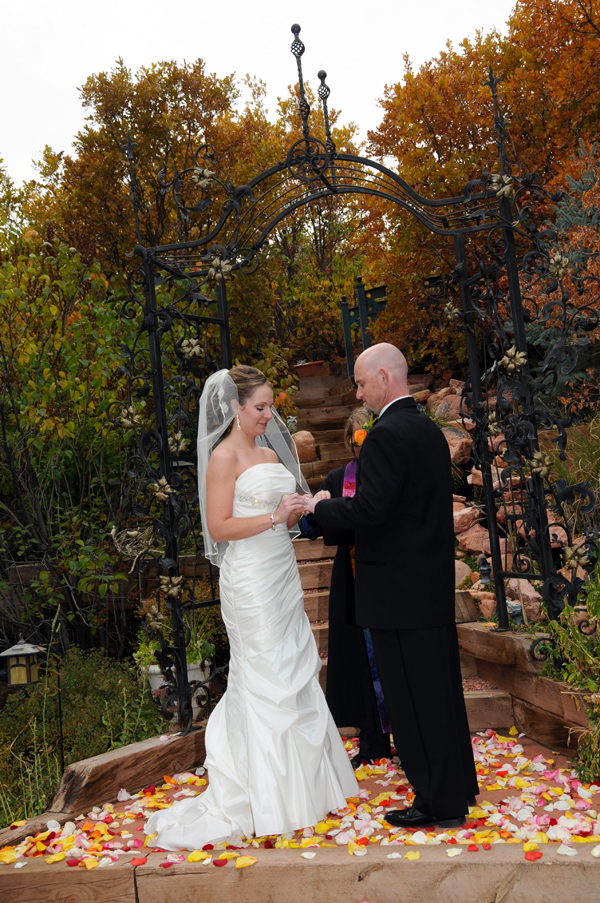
(298, 49)
(128, 149)
(324, 93)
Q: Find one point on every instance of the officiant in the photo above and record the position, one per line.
(353, 689)
(401, 514)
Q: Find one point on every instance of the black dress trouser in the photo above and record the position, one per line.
(422, 686)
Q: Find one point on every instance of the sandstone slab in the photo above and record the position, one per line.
(472, 539)
(465, 518)
(460, 445)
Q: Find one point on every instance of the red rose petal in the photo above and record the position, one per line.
(165, 865)
(486, 846)
(472, 848)
(220, 862)
(72, 862)
(268, 845)
(532, 855)
(139, 860)
(208, 846)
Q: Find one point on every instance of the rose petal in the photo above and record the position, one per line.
(532, 855)
(244, 862)
(308, 854)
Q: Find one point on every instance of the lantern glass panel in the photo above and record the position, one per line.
(17, 670)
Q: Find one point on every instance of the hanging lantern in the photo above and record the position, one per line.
(22, 663)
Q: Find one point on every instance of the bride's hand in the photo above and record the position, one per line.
(290, 506)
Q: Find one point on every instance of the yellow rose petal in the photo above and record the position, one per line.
(230, 854)
(198, 856)
(412, 855)
(90, 863)
(7, 856)
(56, 858)
(513, 731)
(245, 861)
(530, 845)
(321, 828)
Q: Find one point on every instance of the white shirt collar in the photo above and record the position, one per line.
(393, 401)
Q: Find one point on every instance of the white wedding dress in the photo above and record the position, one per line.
(275, 759)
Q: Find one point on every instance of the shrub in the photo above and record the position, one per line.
(105, 706)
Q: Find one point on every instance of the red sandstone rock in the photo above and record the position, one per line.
(504, 547)
(422, 396)
(465, 518)
(443, 393)
(487, 605)
(528, 592)
(472, 539)
(305, 443)
(461, 571)
(457, 384)
(447, 408)
(461, 445)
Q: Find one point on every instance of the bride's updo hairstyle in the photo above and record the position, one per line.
(247, 380)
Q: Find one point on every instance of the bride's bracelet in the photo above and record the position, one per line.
(273, 524)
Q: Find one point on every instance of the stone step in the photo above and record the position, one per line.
(325, 418)
(315, 574)
(316, 605)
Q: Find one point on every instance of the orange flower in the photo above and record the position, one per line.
(360, 436)
(281, 398)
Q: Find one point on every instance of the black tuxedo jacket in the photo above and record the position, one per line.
(402, 518)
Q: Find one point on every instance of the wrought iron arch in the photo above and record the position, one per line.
(179, 291)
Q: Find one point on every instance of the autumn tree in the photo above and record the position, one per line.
(438, 128)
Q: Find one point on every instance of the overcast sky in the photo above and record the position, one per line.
(50, 48)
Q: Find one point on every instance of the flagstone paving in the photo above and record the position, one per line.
(528, 796)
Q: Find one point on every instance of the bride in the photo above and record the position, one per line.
(275, 760)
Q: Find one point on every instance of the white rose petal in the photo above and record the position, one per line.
(564, 850)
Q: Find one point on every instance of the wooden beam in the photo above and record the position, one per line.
(316, 605)
(316, 575)
(37, 883)
(312, 550)
(97, 780)
(482, 642)
(465, 609)
(550, 695)
(489, 708)
(557, 734)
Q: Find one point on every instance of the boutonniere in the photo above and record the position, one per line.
(360, 435)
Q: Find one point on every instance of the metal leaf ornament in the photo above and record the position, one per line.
(513, 360)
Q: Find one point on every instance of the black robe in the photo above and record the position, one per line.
(349, 690)
(402, 517)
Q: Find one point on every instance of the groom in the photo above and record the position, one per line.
(404, 590)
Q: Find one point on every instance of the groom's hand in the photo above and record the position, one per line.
(311, 501)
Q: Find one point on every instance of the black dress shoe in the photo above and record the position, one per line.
(412, 818)
(357, 760)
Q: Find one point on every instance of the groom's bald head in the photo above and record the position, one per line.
(380, 374)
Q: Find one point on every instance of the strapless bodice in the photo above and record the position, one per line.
(258, 489)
